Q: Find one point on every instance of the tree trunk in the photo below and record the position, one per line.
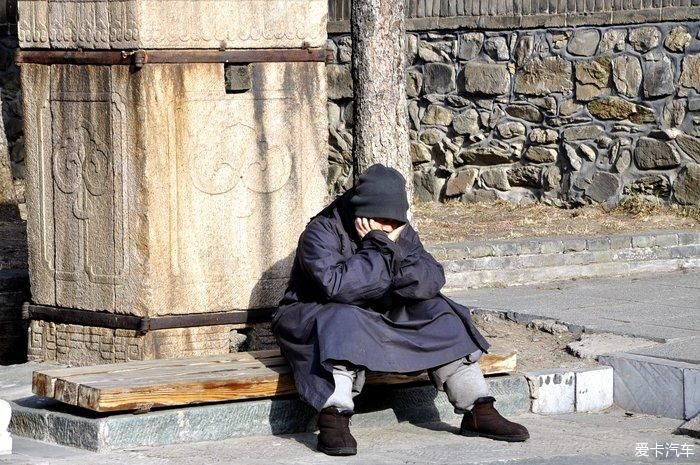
(378, 62)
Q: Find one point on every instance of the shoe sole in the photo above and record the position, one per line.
(497, 437)
(337, 450)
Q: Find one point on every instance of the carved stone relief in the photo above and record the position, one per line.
(103, 24)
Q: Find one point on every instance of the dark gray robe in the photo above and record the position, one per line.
(372, 303)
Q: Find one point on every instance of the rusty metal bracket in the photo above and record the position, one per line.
(142, 324)
(139, 58)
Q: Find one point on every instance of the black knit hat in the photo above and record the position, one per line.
(381, 193)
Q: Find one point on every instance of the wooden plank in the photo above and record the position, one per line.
(332, 16)
(161, 362)
(420, 10)
(121, 387)
(186, 394)
(444, 9)
(185, 372)
(43, 381)
(66, 388)
(412, 8)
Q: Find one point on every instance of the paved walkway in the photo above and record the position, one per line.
(664, 307)
(605, 438)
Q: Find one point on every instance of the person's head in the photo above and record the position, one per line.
(380, 194)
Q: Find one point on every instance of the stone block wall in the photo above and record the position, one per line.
(564, 115)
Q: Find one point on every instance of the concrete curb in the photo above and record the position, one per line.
(531, 261)
(567, 391)
(656, 386)
(47, 420)
(525, 318)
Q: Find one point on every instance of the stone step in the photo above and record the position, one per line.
(655, 385)
(47, 420)
(531, 261)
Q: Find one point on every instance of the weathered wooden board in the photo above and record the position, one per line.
(155, 383)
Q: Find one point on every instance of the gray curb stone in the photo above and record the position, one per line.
(50, 421)
(47, 420)
(654, 385)
(532, 261)
(566, 244)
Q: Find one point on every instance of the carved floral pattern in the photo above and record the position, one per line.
(248, 161)
(81, 160)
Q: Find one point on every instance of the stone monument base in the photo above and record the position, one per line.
(91, 345)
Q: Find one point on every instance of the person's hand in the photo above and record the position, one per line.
(365, 225)
(394, 235)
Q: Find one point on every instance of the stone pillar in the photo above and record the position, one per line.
(153, 189)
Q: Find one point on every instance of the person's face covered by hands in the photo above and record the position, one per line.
(392, 228)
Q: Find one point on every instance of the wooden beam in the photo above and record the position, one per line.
(142, 385)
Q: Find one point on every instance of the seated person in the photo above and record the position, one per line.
(365, 295)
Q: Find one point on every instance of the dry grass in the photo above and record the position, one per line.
(689, 212)
(640, 206)
(457, 221)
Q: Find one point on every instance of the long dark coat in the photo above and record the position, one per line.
(373, 303)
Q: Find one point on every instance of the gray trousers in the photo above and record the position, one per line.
(462, 380)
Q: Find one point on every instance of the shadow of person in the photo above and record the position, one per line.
(416, 403)
(290, 415)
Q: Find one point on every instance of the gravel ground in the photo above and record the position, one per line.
(536, 349)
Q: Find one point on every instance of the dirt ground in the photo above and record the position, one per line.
(536, 349)
(458, 221)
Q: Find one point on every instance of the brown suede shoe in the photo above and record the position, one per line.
(485, 421)
(334, 436)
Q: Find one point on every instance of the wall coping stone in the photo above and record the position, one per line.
(562, 244)
(605, 17)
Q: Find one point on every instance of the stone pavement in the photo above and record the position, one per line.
(661, 379)
(664, 307)
(608, 437)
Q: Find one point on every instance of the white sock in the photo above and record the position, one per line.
(342, 395)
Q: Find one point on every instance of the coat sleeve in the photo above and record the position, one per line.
(365, 276)
(420, 276)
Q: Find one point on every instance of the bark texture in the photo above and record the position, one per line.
(378, 63)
